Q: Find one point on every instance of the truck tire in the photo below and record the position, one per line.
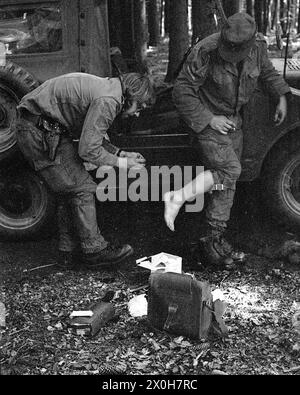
(281, 186)
(26, 206)
(15, 82)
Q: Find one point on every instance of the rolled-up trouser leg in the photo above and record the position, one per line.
(221, 155)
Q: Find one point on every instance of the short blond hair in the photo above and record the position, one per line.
(138, 87)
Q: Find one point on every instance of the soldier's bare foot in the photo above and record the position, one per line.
(172, 207)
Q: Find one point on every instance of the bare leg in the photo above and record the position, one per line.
(174, 200)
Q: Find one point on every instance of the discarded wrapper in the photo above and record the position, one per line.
(162, 262)
(81, 313)
(138, 306)
(217, 294)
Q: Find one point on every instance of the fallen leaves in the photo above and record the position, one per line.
(259, 322)
(262, 299)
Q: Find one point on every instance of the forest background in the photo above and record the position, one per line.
(140, 27)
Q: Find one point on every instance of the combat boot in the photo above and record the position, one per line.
(217, 252)
(108, 257)
(235, 255)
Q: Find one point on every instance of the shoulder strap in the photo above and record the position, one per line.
(218, 323)
(172, 309)
(185, 56)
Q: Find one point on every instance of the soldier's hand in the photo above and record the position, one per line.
(222, 124)
(127, 163)
(134, 155)
(281, 110)
(136, 163)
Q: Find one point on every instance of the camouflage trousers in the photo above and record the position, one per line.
(72, 184)
(221, 155)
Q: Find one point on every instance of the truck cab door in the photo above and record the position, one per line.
(41, 36)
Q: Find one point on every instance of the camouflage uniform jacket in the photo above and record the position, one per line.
(208, 85)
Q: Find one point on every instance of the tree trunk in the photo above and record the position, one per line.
(126, 26)
(203, 20)
(293, 15)
(231, 7)
(167, 6)
(162, 18)
(153, 21)
(179, 39)
(196, 20)
(115, 29)
(283, 17)
(266, 7)
(140, 31)
(249, 7)
(298, 29)
(258, 12)
(275, 14)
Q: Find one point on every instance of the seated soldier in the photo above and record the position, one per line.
(79, 106)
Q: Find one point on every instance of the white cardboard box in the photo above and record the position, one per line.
(163, 262)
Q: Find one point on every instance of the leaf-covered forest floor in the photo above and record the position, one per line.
(262, 297)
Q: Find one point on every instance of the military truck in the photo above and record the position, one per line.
(43, 39)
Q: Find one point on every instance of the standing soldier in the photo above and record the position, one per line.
(217, 79)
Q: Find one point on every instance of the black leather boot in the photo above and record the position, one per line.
(109, 256)
(235, 255)
(216, 251)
